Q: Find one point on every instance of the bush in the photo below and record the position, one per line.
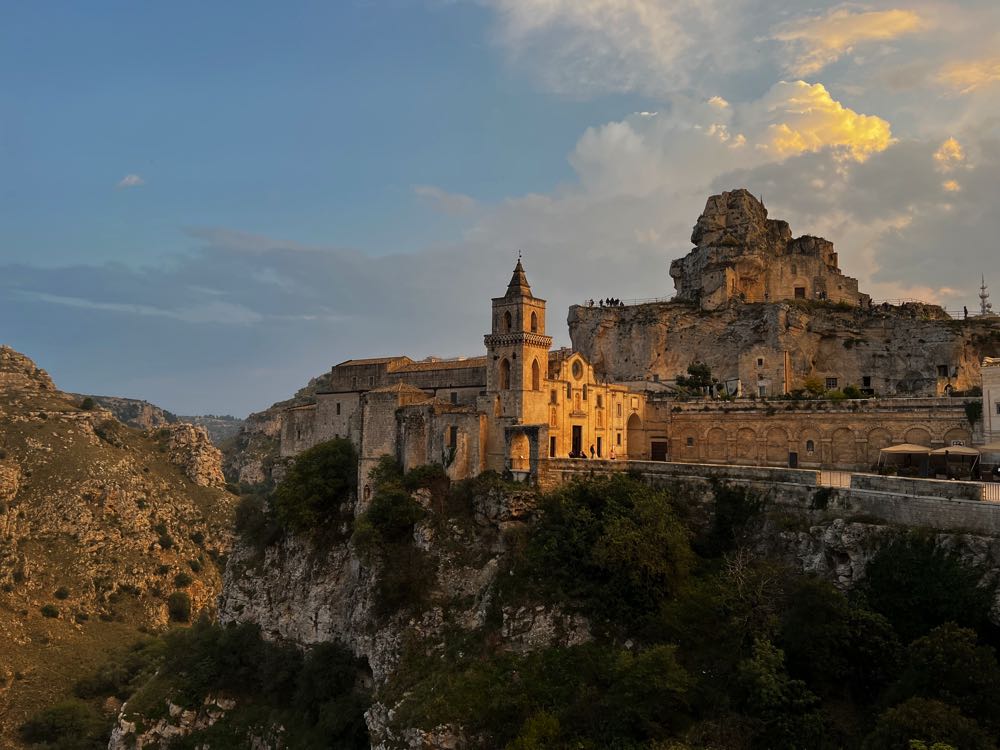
(61, 593)
(918, 586)
(50, 610)
(928, 721)
(70, 725)
(182, 580)
(735, 509)
(195, 565)
(124, 674)
(320, 482)
(179, 606)
(254, 523)
(88, 404)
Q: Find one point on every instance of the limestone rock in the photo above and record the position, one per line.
(19, 373)
(190, 448)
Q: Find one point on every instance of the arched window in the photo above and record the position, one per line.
(810, 446)
(508, 321)
(504, 374)
(536, 375)
(534, 322)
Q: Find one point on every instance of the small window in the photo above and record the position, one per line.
(760, 361)
(795, 271)
(656, 378)
(690, 442)
(453, 436)
(810, 447)
(800, 292)
(553, 396)
(600, 401)
(534, 322)
(600, 446)
(619, 410)
(761, 390)
(569, 391)
(942, 371)
(552, 447)
(536, 376)
(338, 408)
(831, 384)
(584, 391)
(507, 322)
(454, 397)
(298, 434)
(354, 383)
(371, 381)
(998, 407)
(866, 381)
(504, 375)
(619, 439)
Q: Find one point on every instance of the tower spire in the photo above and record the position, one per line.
(518, 286)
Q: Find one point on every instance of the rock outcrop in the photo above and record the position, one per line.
(20, 374)
(190, 448)
(742, 255)
(909, 349)
(133, 412)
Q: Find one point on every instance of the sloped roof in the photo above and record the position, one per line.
(443, 364)
(398, 388)
(371, 361)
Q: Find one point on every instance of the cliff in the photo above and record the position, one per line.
(901, 350)
(99, 524)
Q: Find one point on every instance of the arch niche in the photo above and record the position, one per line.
(520, 452)
(534, 322)
(508, 322)
(716, 444)
(536, 375)
(634, 438)
(504, 374)
(843, 447)
(746, 446)
(777, 446)
(918, 436)
(955, 434)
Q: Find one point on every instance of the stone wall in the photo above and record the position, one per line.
(844, 435)
(798, 491)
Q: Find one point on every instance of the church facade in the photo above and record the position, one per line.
(519, 403)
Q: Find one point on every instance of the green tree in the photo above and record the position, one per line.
(928, 721)
(917, 586)
(318, 485)
(699, 377)
(949, 665)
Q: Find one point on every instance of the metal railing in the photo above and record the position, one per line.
(628, 302)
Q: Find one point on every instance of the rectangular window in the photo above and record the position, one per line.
(354, 383)
(942, 371)
(866, 381)
(761, 390)
(553, 396)
(998, 407)
(800, 292)
(619, 440)
(831, 384)
(552, 447)
(584, 391)
(600, 446)
(760, 361)
(453, 436)
(454, 397)
(338, 408)
(371, 381)
(600, 401)
(619, 410)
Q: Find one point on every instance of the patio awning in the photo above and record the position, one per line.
(903, 448)
(955, 450)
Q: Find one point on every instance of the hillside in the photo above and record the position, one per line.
(99, 525)
(142, 415)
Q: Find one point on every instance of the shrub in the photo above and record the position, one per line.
(179, 606)
(61, 593)
(198, 538)
(182, 580)
(322, 479)
(195, 565)
(88, 404)
(50, 610)
(928, 721)
(70, 725)
(254, 523)
(853, 392)
(122, 675)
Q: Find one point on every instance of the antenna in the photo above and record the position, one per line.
(985, 306)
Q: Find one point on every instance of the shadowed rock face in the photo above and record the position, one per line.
(742, 255)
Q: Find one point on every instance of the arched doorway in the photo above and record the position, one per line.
(520, 453)
(635, 442)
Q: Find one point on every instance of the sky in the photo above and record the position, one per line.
(207, 204)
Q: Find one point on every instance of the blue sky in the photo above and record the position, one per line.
(205, 205)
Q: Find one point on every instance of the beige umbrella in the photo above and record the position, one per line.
(956, 450)
(906, 448)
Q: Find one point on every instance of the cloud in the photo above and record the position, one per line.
(131, 181)
(966, 76)
(442, 200)
(949, 155)
(951, 186)
(592, 46)
(822, 40)
(809, 119)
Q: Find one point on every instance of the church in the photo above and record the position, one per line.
(504, 411)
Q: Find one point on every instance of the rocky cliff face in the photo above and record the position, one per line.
(133, 412)
(99, 524)
(899, 348)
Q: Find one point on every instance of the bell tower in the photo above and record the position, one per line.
(517, 353)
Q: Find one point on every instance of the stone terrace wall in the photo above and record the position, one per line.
(799, 491)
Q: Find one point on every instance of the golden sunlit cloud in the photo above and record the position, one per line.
(951, 186)
(949, 155)
(809, 119)
(968, 75)
(822, 40)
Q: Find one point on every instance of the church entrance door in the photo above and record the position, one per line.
(577, 440)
